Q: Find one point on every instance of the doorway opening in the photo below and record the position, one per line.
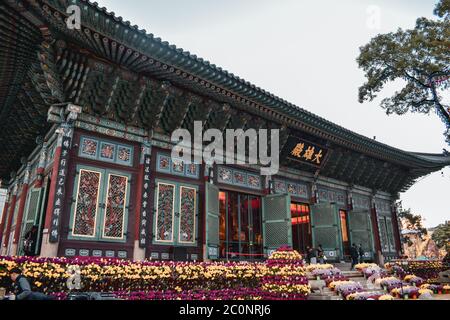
(301, 227)
(345, 235)
(240, 226)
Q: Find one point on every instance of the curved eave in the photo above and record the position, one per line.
(215, 79)
(434, 160)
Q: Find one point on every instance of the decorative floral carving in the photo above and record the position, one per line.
(88, 147)
(115, 206)
(86, 204)
(107, 151)
(165, 211)
(187, 214)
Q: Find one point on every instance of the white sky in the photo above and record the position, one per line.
(304, 51)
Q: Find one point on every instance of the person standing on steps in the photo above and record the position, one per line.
(320, 254)
(354, 255)
(311, 255)
(29, 245)
(308, 254)
(361, 253)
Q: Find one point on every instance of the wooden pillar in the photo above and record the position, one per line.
(41, 166)
(52, 191)
(23, 199)
(6, 235)
(143, 206)
(376, 232)
(206, 177)
(267, 185)
(4, 217)
(314, 198)
(55, 207)
(350, 199)
(396, 227)
(49, 248)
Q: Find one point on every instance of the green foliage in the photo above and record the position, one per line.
(416, 56)
(441, 235)
(442, 9)
(412, 222)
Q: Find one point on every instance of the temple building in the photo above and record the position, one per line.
(86, 117)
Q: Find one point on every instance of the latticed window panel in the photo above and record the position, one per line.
(325, 216)
(363, 238)
(383, 234)
(326, 236)
(31, 213)
(213, 230)
(33, 206)
(86, 206)
(27, 228)
(113, 226)
(275, 208)
(165, 212)
(360, 229)
(212, 215)
(213, 200)
(390, 234)
(187, 215)
(359, 220)
(326, 230)
(276, 221)
(275, 234)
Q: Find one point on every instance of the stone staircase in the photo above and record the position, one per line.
(327, 294)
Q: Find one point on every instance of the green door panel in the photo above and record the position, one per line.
(390, 234)
(212, 220)
(31, 215)
(383, 234)
(179, 213)
(105, 178)
(360, 229)
(277, 227)
(326, 229)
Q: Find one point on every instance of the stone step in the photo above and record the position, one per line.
(343, 266)
(352, 274)
(323, 297)
(328, 294)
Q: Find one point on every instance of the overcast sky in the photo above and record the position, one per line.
(304, 52)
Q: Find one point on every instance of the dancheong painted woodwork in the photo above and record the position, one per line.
(85, 152)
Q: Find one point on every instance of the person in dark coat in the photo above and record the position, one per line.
(312, 255)
(320, 254)
(354, 255)
(308, 254)
(29, 246)
(22, 288)
(361, 253)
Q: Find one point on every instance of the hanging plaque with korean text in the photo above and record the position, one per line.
(306, 152)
